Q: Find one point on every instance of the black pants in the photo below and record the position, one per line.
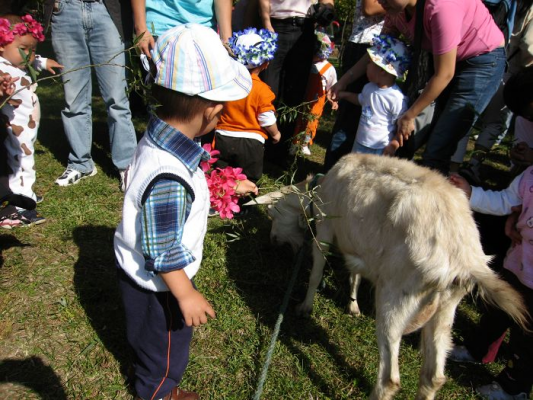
(158, 336)
(244, 153)
(345, 128)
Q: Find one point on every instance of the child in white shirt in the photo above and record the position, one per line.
(382, 100)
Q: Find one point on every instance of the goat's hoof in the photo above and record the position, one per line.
(353, 309)
(303, 310)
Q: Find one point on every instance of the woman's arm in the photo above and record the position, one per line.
(223, 15)
(264, 13)
(371, 8)
(350, 76)
(147, 42)
(444, 71)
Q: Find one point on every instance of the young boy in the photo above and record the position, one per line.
(321, 78)
(22, 111)
(158, 244)
(245, 124)
(381, 100)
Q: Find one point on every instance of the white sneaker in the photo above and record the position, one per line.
(72, 177)
(495, 392)
(306, 151)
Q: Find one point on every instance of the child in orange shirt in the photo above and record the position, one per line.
(322, 77)
(245, 124)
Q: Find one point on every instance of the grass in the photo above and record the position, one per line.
(62, 331)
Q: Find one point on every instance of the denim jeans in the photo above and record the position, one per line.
(475, 82)
(360, 149)
(83, 34)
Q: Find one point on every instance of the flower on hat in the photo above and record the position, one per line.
(252, 48)
(391, 54)
(27, 26)
(326, 46)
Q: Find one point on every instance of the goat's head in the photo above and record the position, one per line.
(286, 209)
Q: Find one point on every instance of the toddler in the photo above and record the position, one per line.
(245, 124)
(159, 242)
(321, 78)
(22, 112)
(381, 99)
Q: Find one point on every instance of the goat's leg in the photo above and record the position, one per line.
(353, 306)
(394, 310)
(436, 342)
(319, 260)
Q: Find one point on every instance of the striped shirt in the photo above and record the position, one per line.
(167, 206)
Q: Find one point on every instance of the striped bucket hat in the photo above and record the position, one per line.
(191, 59)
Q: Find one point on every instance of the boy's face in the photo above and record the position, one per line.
(26, 43)
(373, 72)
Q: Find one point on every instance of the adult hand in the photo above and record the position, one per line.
(333, 92)
(51, 64)
(406, 126)
(146, 43)
(510, 226)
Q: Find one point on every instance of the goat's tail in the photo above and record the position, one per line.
(502, 295)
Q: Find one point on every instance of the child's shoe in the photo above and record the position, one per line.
(306, 151)
(33, 216)
(495, 392)
(461, 354)
(14, 220)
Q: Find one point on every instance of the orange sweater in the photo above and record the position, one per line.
(242, 115)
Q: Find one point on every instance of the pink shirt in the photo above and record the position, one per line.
(465, 24)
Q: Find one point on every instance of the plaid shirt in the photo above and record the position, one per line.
(167, 206)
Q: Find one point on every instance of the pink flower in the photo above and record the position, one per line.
(221, 184)
(20, 29)
(206, 165)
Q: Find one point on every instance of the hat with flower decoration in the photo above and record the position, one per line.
(324, 46)
(28, 25)
(391, 54)
(252, 48)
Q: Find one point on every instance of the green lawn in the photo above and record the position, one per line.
(61, 323)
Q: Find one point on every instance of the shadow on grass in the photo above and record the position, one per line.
(7, 242)
(96, 284)
(279, 264)
(35, 375)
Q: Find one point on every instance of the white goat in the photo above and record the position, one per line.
(411, 233)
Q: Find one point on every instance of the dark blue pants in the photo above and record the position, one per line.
(158, 335)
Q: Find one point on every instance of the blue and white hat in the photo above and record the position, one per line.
(252, 48)
(325, 45)
(391, 54)
(191, 59)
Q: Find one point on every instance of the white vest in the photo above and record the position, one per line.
(149, 162)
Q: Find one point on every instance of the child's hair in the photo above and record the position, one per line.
(11, 25)
(518, 91)
(177, 105)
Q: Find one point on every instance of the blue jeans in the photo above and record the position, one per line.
(84, 34)
(475, 82)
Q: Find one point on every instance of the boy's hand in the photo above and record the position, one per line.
(195, 308)
(51, 64)
(276, 137)
(391, 148)
(461, 183)
(522, 154)
(334, 105)
(246, 187)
